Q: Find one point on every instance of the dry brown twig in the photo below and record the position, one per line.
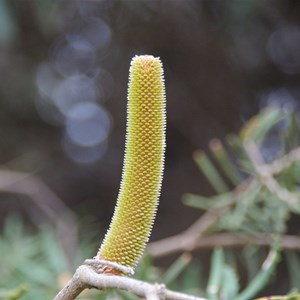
(289, 242)
(224, 240)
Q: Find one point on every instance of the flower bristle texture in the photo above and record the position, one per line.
(137, 201)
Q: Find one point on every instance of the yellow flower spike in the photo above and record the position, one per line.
(142, 174)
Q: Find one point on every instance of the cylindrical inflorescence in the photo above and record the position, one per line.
(142, 174)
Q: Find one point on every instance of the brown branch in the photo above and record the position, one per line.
(188, 239)
(288, 242)
(225, 240)
(72, 289)
(184, 241)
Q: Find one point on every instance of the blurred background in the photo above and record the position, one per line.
(63, 84)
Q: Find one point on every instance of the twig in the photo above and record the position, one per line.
(193, 238)
(284, 162)
(189, 239)
(98, 265)
(185, 241)
(266, 177)
(224, 240)
(86, 277)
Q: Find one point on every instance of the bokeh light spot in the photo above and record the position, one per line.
(73, 55)
(74, 90)
(82, 154)
(87, 124)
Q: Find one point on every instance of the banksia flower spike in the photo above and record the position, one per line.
(137, 201)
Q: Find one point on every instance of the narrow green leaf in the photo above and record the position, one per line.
(210, 172)
(176, 268)
(55, 256)
(207, 203)
(293, 264)
(225, 162)
(215, 276)
(230, 284)
(262, 278)
(290, 133)
(193, 277)
(236, 145)
(259, 125)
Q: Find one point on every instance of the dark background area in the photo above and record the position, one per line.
(63, 83)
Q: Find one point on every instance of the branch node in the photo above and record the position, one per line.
(98, 265)
(157, 292)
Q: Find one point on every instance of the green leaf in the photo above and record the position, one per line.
(230, 283)
(224, 161)
(210, 172)
(176, 268)
(215, 275)
(293, 264)
(193, 277)
(259, 125)
(53, 252)
(262, 277)
(208, 203)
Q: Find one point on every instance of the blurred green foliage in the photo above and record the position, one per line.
(34, 266)
(247, 205)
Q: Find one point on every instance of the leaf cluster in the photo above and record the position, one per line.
(257, 194)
